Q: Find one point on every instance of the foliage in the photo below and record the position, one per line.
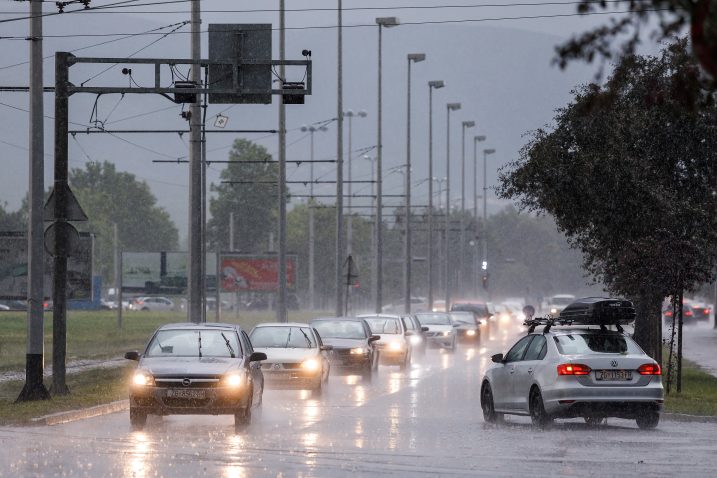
(12, 221)
(628, 172)
(252, 199)
(110, 197)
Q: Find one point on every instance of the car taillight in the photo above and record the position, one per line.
(706, 311)
(649, 369)
(688, 313)
(668, 313)
(573, 369)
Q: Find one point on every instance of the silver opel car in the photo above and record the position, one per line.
(570, 372)
(196, 369)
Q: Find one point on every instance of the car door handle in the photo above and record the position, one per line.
(512, 370)
(530, 371)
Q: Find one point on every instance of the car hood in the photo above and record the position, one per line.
(189, 366)
(439, 328)
(344, 343)
(286, 355)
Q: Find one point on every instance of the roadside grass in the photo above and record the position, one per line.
(699, 392)
(94, 334)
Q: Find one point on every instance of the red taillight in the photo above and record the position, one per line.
(688, 313)
(668, 313)
(46, 304)
(573, 369)
(707, 311)
(649, 369)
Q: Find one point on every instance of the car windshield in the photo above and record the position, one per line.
(283, 337)
(463, 317)
(194, 343)
(384, 325)
(595, 343)
(340, 329)
(434, 319)
(480, 309)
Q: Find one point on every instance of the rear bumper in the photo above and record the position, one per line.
(624, 402)
(628, 410)
(216, 401)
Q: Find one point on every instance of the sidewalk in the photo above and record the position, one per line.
(699, 344)
(72, 367)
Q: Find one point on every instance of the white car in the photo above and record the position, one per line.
(393, 344)
(441, 329)
(569, 372)
(151, 303)
(296, 356)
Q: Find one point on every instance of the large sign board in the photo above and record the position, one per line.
(161, 272)
(14, 268)
(254, 273)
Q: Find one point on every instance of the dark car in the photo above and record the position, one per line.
(480, 309)
(353, 344)
(688, 315)
(196, 369)
(468, 328)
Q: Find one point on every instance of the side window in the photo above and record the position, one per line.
(246, 343)
(408, 323)
(318, 337)
(516, 353)
(537, 346)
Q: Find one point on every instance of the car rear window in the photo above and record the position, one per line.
(595, 343)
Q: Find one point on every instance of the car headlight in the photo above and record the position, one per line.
(142, 379)
(395, 346)
(446, 333)
(415, 339)
(311, 364)
(471, 332)
(358, 351)
(234, 380)
(553, 310)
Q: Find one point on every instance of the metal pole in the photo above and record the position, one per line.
(349, 219)
(446, 246)
(231, 231)
(485, 213)
(462, 247)
(475, 216)
(312, 299)
(117, 273)
(203, 275)
(195, 292)
(379, 190)
(430, 197)
(34, 388)
(374, 255)
(339, 171)
(281, 299)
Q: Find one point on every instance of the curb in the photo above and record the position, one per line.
(74, 415)
(684, 417)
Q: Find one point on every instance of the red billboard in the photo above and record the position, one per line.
(252, 273)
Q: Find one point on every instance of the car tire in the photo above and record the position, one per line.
(538, 415)
(242, 418)
(137, 419)
(318, 390)
(367, 373)
(488, 405)
(594, 421)
(648, 420)
(406, 362)
(376, 359)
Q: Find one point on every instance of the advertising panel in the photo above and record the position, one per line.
(254, 273)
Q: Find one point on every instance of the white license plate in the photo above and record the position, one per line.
(179, 393)
(614, 375)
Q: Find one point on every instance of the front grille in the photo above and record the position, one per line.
(194, 382)
(281, 366)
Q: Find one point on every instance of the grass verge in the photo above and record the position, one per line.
(699, 392)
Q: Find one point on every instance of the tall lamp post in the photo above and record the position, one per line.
(484, 265)
(415, 58)
(439, 193)
(461, 269)
(312, 129)
(434, 84)
(446, 247)
(372, 159)
(382, 22)
(476, 140)
(349, 228)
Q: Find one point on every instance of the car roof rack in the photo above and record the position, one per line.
(600, 311)
(549, 321)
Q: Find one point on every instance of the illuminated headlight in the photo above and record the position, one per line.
(234, 380)
(471, 333)
(358, 351)
(446, 333)
(312, 365)
(142, 379)
(395, 346)
(415, 339)
(553, 310)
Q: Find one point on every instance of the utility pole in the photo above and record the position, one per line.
(431, 85)
(281, 302)
(373, 227)
(446, 246)
(476, 139)
(117, 274)
(484, 265)
(34, 388)
(349, 227)
(461, 269)
(195, 292)
(339, 169)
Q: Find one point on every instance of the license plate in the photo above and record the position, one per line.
(614, 375)
(179, 393)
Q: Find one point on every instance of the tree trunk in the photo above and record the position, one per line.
(648, 325)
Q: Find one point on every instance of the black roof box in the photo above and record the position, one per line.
(599, 311)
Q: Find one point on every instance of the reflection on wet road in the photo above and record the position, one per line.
(423, 421)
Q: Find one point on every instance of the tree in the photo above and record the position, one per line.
(110, 197)
(12, 221)
(252, 198)
(629, 173)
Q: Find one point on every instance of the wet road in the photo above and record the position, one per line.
(425, 421)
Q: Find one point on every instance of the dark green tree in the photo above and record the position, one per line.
(629, 173)
(12, 221)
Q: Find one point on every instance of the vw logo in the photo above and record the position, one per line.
(186, 382)
(614, 363)
(277, 366)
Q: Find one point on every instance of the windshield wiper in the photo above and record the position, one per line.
(200, 343)
(229, 346)
(308, 340)
(288, 338)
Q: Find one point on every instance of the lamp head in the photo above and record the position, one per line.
(469, 124)
(362, 113)
(489, 151)
(349, 113)
(454, 106)
(436, 84)
(480, 138)
(416, 57)
(387, 21)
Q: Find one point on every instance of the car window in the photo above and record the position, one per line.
(408, 323)
(434, 319)
(317, 337)
(537, 347)
(246, 343)
(595, 343)
(283, 337)
(516, 353)
(340, 329)
(384, 325)
(194, 343)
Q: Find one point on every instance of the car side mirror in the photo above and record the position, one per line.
(497, 358)
(326, 348)
(257, 357)
(424, 329)
(134, 355)
(374, 338)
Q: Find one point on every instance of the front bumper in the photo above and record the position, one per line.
(292, 379)
(388, 356)
(216, 401)
(344, 361)
(445, 341)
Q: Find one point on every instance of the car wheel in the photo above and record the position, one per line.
(488, 406)
(318, 391)
(454, 346)
(137, 419)
(376, 359)
(242, 418)
(594, 421)
(648, 420)
(538, 415)
(406, 362)
(367, 373)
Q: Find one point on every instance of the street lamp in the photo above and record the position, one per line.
(415, 58)
(311, 130)
(349, 228)
(461, 269)
(484, 264)
(373, 235)
(476, 140)
(435, 84)
(449, 107)
(386, 22)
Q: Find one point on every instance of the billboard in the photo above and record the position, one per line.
(255, 273)
(161, 272)
(13, 268)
